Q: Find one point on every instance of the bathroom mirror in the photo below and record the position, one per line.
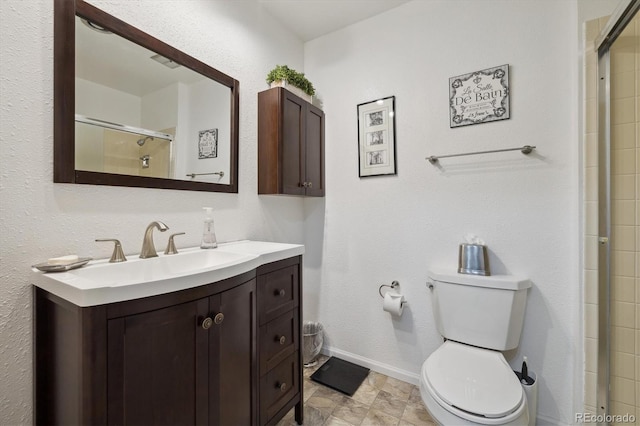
(130, 110)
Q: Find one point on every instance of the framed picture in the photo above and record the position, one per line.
(479, 97)
(208, 143)
(376, 137)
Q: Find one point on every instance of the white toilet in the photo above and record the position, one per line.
(467, 380)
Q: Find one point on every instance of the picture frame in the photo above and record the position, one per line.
(376, 137)
(479, 97)
(208, 144)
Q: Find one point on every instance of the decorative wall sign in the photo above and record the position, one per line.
(208, 143)
(479, 97)
(376, 137)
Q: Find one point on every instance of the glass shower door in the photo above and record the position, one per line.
(619, 109)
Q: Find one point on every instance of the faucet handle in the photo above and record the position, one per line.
(171, 247)
(117, 255)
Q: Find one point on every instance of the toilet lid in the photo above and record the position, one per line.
(476, 380)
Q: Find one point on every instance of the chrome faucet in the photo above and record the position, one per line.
(118, 254)
(148, 248)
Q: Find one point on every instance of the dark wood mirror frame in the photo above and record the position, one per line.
(64, 170)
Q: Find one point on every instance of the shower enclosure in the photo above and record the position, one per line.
(103, 146)
(618, 211)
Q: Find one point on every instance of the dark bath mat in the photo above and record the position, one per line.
(340, 375)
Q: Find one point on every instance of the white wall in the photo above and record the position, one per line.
(368, 232)
(94, 100)
(39, 219)
(182, 132)
(159, 109)
(209, 109)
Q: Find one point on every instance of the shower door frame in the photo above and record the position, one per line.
(618, 22)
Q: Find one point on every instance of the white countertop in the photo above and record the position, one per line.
(101, 282)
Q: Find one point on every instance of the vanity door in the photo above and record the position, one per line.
(158, 366)
(233, 364)
(192, 363)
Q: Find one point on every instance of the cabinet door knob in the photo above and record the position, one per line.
(207, 323)
(218, 318)
(309, 184)
(281, 339)
(280, 292)
(281, 386)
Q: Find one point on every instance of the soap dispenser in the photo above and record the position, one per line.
(208, 234)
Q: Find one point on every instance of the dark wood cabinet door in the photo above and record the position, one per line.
(290, 145)
(157, 366)
(293, 146)
(314, 151)
(233, 357)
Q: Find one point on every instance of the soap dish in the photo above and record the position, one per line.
(46, 267)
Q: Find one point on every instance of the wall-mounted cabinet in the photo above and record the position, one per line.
(290, 145)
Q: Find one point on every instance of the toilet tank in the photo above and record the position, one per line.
(484, 311)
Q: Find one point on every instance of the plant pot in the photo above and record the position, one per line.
(293, 89)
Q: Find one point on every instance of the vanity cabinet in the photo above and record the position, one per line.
(290, 145)
(204, 355)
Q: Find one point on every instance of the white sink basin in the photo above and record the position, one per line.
(138, 271)
(102, 282)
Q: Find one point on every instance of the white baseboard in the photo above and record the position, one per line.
(378, 367)
(546, 421)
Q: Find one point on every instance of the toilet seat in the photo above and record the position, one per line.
(444, 414)
(473, 383)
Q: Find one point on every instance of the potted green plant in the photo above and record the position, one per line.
(294, 81)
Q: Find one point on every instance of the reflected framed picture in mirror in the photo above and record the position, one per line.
(208, 144)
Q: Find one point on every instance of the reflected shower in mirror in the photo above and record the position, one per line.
(111, 148)
(144, 113)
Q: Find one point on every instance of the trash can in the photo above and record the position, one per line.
(312, 338)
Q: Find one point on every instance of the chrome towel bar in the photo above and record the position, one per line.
(192, 175)
(524, 149)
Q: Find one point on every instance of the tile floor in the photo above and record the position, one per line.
(379, 401)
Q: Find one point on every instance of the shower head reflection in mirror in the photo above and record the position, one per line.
(141, 141)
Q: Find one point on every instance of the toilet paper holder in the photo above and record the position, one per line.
(394, 284)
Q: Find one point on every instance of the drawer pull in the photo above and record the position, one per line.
(280, 292)
(207, 323)
(281, 339)
(281, 386)
(218, 318)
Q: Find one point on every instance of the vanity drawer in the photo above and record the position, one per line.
(279, 338)
(278, 387)
(277, 293)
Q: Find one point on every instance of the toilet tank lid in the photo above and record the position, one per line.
(505, 282)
